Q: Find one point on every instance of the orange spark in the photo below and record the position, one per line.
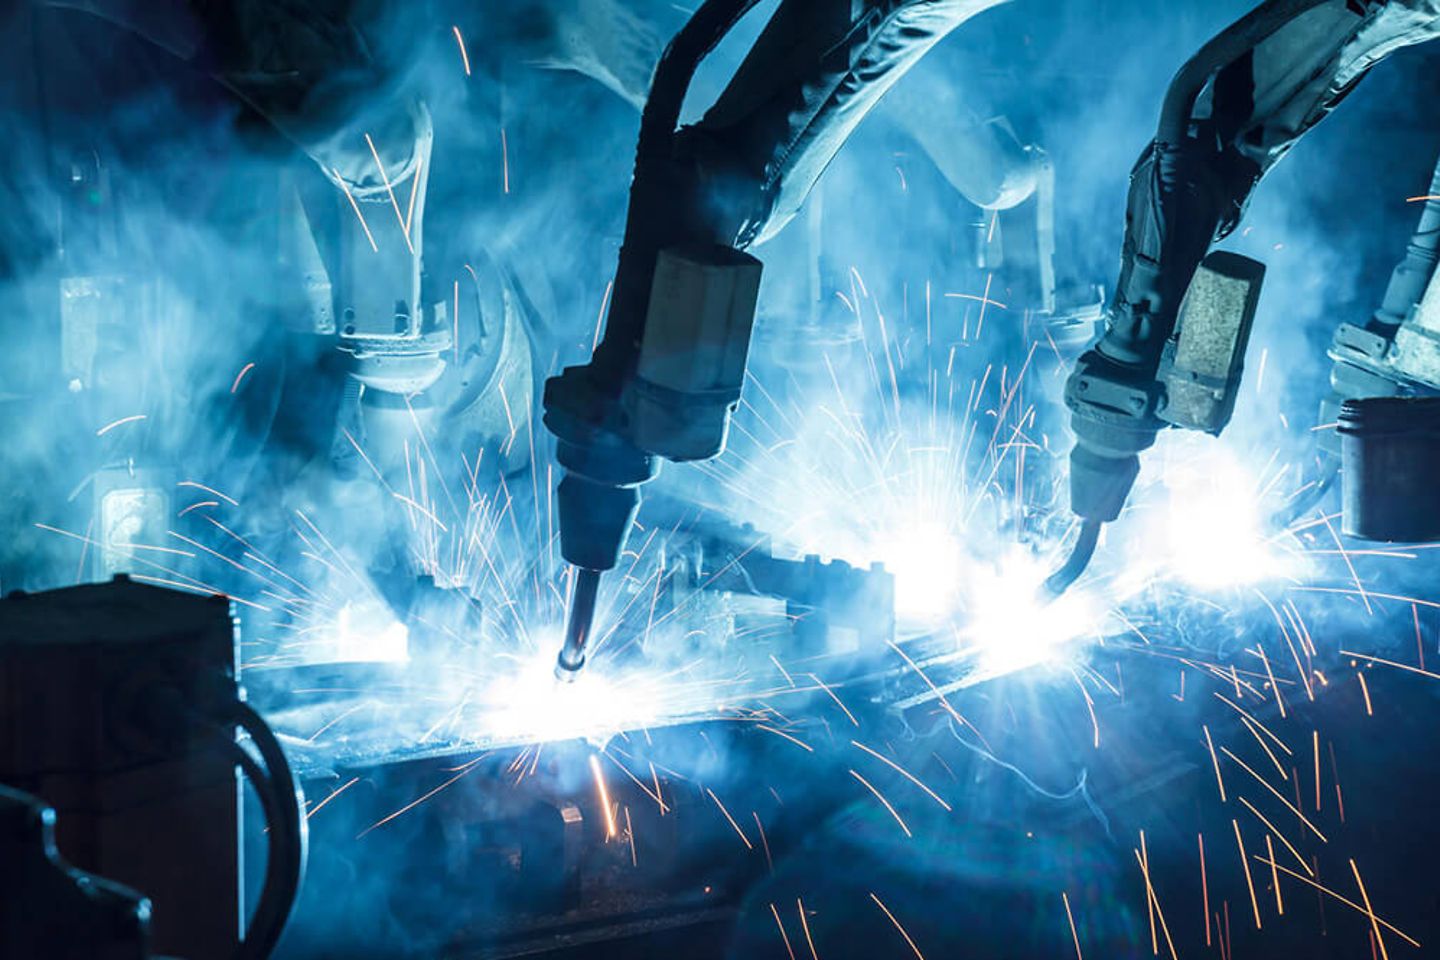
(1278, 795)
(426, 513)
(1249, 880)
(390, 190)
(1266, 747)
(1419, 638)
(1349, 903)
(641, 784)
(1153, 902)
(764, 843)
(1144, 857)
(778, 665)
(1274, 876)
(908, 940)
(505, 160)
(881, 797)
(414, 191)
(630, 835)
(780, 733)
(1271, 827)
(783, 935)
(1071, 917)
(1216, 761)
(1365, 689)
(805, 925)
(904, 773)
(415, 803)
(356, 207)
(1279, 701)
(610, 829)
(599, 324)
(1204, 889)
(212, 492)
(934, 689)
(1251, 717)
(1374, 921)
(335, 793)
(1391, 663)
(748, 844)
(838, 703)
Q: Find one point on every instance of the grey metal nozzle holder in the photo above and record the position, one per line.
(677, 404)
(1120, 408)
(693, 356)
(1204, 358)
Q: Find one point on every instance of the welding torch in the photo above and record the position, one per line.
(1174, 346)
(665, 379)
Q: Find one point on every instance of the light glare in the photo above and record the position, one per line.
(1007, 621)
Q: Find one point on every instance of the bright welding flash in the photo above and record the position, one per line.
(1213, 532)
(928, 563)
(525, 700)
(1006, 621)
(367, 632)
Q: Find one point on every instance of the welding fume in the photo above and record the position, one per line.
(346, 609)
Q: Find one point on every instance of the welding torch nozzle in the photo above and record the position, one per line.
(1080, 555)
(579, 623)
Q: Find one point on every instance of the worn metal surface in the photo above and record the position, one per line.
(1203, 363)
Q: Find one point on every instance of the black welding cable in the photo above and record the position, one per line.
(654, 152)
(281, 799)
(1225, 48)
(1062, 579)
(678, 63)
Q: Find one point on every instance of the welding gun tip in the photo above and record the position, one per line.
(577, 628)
(565, 673)
(1084, 549)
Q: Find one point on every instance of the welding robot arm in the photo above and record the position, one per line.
(338, 84)
(1230, 114)
(665, 378)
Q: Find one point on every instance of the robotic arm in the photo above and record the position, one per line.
(665, 378)
(1174, 347)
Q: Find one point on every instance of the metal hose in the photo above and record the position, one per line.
(625, 325)
(1227, 46)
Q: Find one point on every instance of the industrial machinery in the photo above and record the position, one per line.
(119, 706)
(55, 910)
(1393, 354)
(667, 374)
(325, 343)
(1175, 341)
(1384, 379)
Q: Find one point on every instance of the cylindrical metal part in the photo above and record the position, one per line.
(1390, 458)
(577, 627)
(692, 359)
(595, 519)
